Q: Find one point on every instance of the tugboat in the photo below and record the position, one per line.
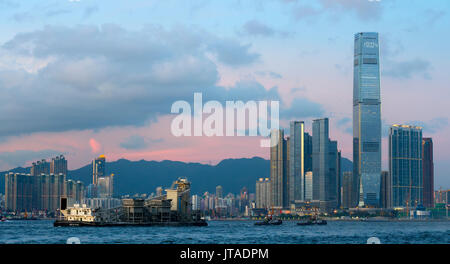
(314, 220)
(268, 220)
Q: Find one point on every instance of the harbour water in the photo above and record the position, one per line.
(336, 232)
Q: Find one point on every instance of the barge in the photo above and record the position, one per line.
(171, 209)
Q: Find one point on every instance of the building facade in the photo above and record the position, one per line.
(405, 165)
(263, 195)
(58, 165)
(279, 169)
(296, 161)
(325, 156)
(428, 172)
(98, 168)
(366, 119)
(386, 190)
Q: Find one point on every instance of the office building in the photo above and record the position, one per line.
(296, 162)
(386, 190)
(279, 161)
(219, 191)
(405, 165)
(347, 192)
(98, 168)
(366, 120)
(105, 186)
(428, 172)
(324, 166)
(308, 185)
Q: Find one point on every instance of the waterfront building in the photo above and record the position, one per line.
(347, 192)
(428, 172)
(366, 120)
(308, 185)
(324, 166)
(105, 186)
(219, 192)
(405, 165)
(19, 192)
(296, 186)
(25, 192)
(279, 155)
(263, 196)
(386, 190)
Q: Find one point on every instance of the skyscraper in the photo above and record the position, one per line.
(308, 185)
(324, 165)
(347, 185)
(386, 190)
(405, 165)
(98, 168)
(279, 169)
(366, 119)
(40, 167)
(428, 173)
(58, 165)
(296, 161)
(219, 191)
(263, 193)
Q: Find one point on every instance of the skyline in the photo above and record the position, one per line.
(241, 56)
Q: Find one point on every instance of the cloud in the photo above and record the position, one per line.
(92, 77)
(95, 145)
(21, 157)
(364, 10)
(137, 142)
(432, 126)
(302, 108)
(345, 124)
(255, 28)
(90, 10)
(259, 29)
(407, 69)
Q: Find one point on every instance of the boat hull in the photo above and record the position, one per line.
(65, 223)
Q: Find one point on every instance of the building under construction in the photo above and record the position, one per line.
(170, 209)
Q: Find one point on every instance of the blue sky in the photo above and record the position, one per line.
(301, 50)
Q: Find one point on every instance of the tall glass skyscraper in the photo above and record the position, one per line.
(296, 161)
(405, 165)
(366, 120)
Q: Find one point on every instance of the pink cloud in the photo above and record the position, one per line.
(95, 146)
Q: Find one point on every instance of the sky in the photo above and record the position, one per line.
(90, 77)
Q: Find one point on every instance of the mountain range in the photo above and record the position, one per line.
(143, 176)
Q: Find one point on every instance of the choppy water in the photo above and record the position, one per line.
(43, 232)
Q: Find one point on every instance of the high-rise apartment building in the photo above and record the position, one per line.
(428, 172)
(40, 167)
(366, 119)
(263, 195)
(405, 165)
(58, 165)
